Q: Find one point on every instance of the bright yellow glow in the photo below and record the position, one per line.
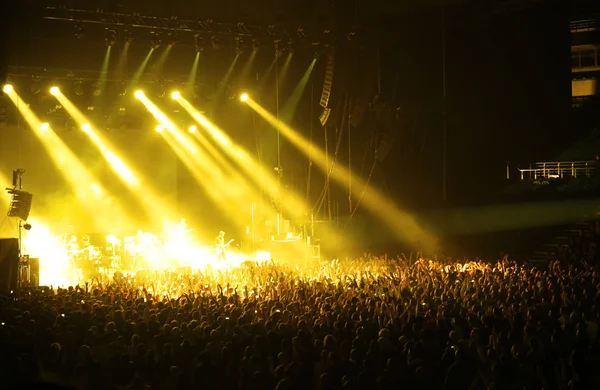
(153, 203)
(89, 194)
(160, 128)
(7, 88)
(54, 91)
(244, 97)
(113, 240)
(176, 95)
(139, 94)
(228, 189)
(55, 265)
(263, 256)
(117, 164)
(263, 178)
(401, 223)
(193, 129)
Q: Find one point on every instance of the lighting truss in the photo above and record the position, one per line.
(79, 76)
(173, 24)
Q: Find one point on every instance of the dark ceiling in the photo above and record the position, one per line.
(280, 11)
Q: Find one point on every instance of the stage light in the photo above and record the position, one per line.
(244, 97)
(199, 43)
(176, 95)
(7, 88)
(193, 129)
(44, 126)
(86, 127)
(160, 128)
(110, 36)
(139, 94)
(54, 91)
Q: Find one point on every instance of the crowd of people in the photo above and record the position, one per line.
(581, 247)
(370, 323)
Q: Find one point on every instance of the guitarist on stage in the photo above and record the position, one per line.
(221, 245)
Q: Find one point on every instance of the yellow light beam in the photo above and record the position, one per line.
(285, 69)
(108, 215)
(122, 63)
(102, 80)
(290, 107)
(266, 75)
(227, 192)
(6, 229)
(294, 206)
(224, 83)
(162, 60)
(116, 163)
(153, 204)
(402, 223)
(140, 70)
(247, 68)
(191, 82)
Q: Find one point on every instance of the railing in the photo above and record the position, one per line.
(584, 25)
(559, 170)
(585, 58)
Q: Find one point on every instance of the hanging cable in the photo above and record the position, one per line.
(310, 162)
(349, 164)
(363, 192)
(323, 194)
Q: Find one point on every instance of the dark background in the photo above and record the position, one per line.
(507, 83)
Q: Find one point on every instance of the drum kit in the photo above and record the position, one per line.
(92, 255)
(91, 258)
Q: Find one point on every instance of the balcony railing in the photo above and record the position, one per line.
(584, 25)
(558, 170)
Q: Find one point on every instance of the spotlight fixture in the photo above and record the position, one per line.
(160, 128)
(300, 33)
(54, 91)
(240, 46)
(110, 36)
(128, 36)
(35, 86)
(155, 44)
(8, 88)
(173, 40)
(79, 88)
(86, 127)
(122, 89)
(215, 42)
(255, 44)
(44, 126)
(176, 95)
(244, 97)
(139, 94)
(79, 32)
(98, 88)
(193, 129)
(199, 41)
(278, 48)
